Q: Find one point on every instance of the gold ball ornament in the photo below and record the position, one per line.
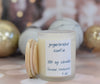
(9, 36)
(20, 14)
(92, 38)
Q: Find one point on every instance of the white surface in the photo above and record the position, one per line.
(1, 75)
(10, 67)
(33, 81)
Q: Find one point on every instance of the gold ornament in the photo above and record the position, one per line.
(92, 38)
(9, 36)
(20, 14)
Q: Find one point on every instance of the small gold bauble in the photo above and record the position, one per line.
(92, 38)
(20, 14)
(9, 36)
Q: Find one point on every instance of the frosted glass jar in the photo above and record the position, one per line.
(57, 53)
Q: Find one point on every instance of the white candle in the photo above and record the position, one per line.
(57, 52)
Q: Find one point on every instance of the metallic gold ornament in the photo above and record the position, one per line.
(20, 14)
(9, 36)
(92, 38)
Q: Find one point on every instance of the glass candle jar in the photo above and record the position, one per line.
(56, 53)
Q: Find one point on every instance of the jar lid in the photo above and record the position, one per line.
(56, 33)
(31, 61)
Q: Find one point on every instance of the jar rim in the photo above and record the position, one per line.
(56, 31)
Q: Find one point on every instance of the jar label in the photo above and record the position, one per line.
(58, 58)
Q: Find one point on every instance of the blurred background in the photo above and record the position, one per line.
(21, 20)
(40, 14)
(23, 13)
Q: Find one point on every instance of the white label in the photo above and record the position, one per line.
(58, 58)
